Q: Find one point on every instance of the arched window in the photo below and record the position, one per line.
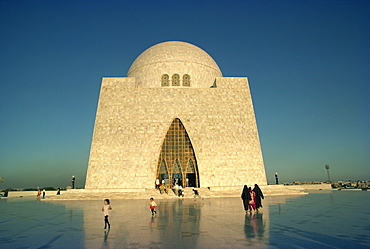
(176, 171)
(186, 80)
(162, 171)
(176, 80)
(165, 81)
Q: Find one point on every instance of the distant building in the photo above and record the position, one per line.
(351, 184)
(175, 117)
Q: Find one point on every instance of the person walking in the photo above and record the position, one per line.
(196, 194)
(152, 206)
(43, 193)
(259, 196)
(246, 197)
(252, 201)
(106, 207)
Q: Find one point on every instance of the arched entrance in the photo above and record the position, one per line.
(177, 162)
(191, 174)
(177, 173)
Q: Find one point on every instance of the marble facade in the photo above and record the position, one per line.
(174, 81)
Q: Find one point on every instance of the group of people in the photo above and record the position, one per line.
(252, 198)
(251, 201)
(177, 189)
(164, 185)
(39, 193)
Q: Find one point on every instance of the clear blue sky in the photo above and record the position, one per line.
(307, 64)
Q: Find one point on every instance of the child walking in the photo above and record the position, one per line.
(106, 207)
(152, 206)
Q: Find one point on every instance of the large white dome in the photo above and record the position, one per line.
(174, 57)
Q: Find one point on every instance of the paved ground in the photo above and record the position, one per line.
(326, 219)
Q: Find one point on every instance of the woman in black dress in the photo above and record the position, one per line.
(246, 198)
(259, 195)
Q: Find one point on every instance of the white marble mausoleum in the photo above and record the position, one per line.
(174, 116)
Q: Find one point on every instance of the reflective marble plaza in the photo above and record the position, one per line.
(322, 219)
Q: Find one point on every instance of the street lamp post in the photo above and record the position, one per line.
(327, 170)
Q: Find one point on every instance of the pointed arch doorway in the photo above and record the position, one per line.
(177, 162)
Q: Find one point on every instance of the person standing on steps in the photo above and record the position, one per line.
(161, 188)
(106, 207)
(157, 183)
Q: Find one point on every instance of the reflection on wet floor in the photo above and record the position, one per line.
(318, 220)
